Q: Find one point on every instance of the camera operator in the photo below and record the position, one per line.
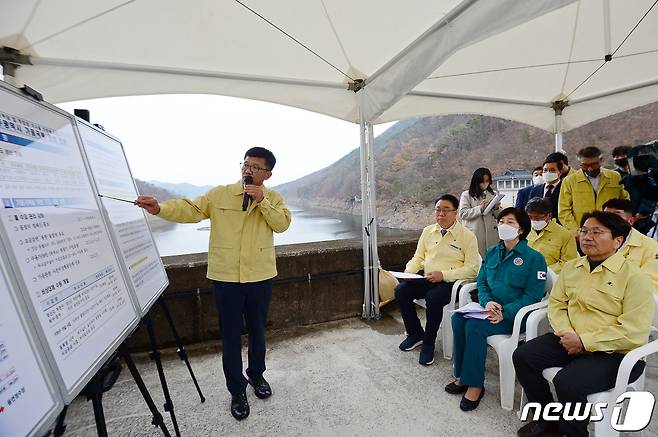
(642, 184)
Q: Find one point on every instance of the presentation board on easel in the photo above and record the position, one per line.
(67, 272)
(130, 230)
(29, 401)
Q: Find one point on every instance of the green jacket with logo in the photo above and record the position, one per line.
(514, 279)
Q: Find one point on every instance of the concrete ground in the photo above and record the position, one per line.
(343, 378)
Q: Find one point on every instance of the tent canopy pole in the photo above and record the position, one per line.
(558, 106)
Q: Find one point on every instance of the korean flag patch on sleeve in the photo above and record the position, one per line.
(541, 275)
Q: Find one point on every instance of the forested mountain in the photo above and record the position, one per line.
(148, 189)
(415, 160)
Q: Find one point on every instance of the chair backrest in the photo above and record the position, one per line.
(551, 279)
(655, 314)
(479, 263)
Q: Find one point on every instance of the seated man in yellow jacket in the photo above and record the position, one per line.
(241, 264)
(587, 189)
(638, 248)
(547, 237)
(446, 252)
(600, 308)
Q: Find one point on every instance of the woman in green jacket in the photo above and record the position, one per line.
(512, 276)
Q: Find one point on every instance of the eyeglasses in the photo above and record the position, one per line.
(444, 210)
(595, 233)
(253, 167)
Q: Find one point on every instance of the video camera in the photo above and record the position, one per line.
(644, 169)
(642, 184)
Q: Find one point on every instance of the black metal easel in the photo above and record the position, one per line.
(157, 417)
(180, 349)
(103, 381)
(155, 356)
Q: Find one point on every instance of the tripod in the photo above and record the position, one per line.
(103, 381)
(155, 356)
(105, 378)
(180, 349)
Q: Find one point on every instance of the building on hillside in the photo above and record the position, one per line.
(510, 182)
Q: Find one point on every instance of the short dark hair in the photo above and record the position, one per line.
(539, 167)
(521, 218)
(621, 150)
(623, 204)
(589, 152)
(557, 157)
(261, 152)
(539, 205)
(554, 159)
(617, 225)
(450, 198)
(478, 177)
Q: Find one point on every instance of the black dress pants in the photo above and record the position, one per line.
(234, 301)
(436, 296)
(580, 376)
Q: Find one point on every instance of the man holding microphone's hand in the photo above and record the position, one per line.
(241, 264)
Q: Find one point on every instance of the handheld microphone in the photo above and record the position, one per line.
(248, 180)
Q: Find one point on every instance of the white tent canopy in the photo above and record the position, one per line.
(559, 50)
(400, 59)
(82, 50)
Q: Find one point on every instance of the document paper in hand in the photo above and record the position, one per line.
(495, 201)
(472, 310)
(402, 275)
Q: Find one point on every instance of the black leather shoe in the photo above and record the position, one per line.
(468, 405)
(538, 428)
(240, 406)
(262, 388)
(455, 389)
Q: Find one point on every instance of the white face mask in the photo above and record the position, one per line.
(536, 180)
(550, 177)
(507, 232)
(538, 225)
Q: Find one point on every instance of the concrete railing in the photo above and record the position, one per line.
(317, 282)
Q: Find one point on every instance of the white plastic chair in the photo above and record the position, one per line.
(655, 315)
(603, 427)
(504, 344)
(446, 326)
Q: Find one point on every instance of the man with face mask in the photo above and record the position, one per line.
(550, 189)
(587, 189)
(547, 237)
(565, 169)
(524, 194)
(620, 156)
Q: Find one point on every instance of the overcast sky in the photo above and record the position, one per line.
(201, 139)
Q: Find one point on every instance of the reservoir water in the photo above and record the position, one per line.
(307, 226)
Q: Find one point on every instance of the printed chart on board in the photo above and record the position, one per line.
(26, 400)
(58, 239)
(112, 175)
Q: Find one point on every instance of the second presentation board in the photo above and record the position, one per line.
(130, 229)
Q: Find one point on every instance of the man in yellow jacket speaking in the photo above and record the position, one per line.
(241, 264)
